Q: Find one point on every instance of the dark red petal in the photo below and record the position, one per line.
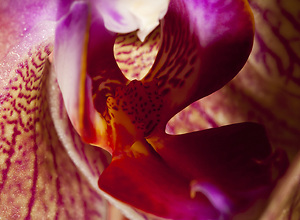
(143, 180)
(237, 159)
(204, 45)
(101, 64)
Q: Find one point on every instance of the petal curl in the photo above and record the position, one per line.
(142, 180)
(124, 16)
(101, 64)
(204, 45)
(70, 60)
(203, 175)
(230, 158)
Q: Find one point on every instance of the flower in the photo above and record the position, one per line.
(211, 174)
(38, 178)
(265, 91)
(30, 144)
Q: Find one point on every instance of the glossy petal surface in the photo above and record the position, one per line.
(194, 59)
(143, 180)
(236, 159)
(201, 175)
(220, 38)
(265, 91)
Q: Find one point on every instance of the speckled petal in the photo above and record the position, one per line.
(204, 45)
(37, 177)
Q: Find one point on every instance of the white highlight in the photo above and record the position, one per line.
(124, 16)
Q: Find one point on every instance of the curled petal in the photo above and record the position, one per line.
(213, 194)
(236, 159)
(70, 65)
(204, 45)
(142, 180)
(101, 64)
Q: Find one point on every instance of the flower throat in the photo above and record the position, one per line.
(136, 106)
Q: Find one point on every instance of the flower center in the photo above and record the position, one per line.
(135, 108)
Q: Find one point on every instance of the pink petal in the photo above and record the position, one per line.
(70, 66)
(24, 24)
(204, 45)
(90, 160)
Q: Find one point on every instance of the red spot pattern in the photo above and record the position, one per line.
(37, 177)
(141, 103)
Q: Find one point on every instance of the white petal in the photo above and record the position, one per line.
(124, 16)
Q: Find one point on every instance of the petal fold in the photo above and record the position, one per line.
(204, 45)
(70, 56)
(126, 16)
(142, 180)
(237, 159)
(101, 64)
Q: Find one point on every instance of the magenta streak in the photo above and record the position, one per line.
(80, 151)
(34, 179)
(78, 180)
(87, 212)
(60, 202)
(266, 112)
(10, 153)
(204, 114)
(290, 18)
(125, 52)
(265, 50)
(293, 56)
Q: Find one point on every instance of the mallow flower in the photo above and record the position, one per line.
(48, 164)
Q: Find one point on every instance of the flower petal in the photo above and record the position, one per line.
(142, 180)
(101, 64)
(204, 45)
(38, 178)
(23, 25)
(70, 59)
(236, 159)
(90, 160)
(124, 16)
